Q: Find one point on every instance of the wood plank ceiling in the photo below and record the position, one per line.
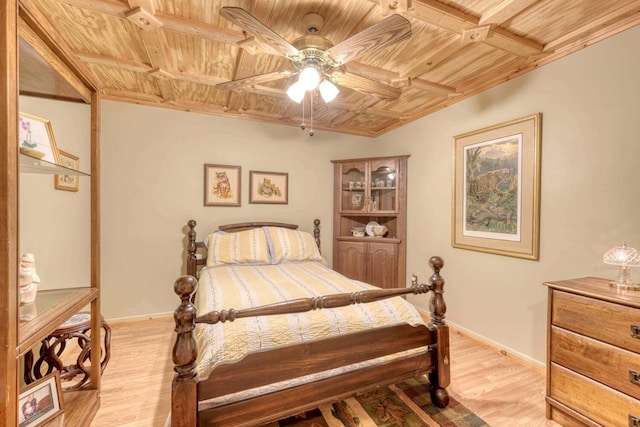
(173, 53)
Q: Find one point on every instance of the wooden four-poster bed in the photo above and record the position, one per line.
(272, 331)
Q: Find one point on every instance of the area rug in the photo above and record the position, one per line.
(406, 404)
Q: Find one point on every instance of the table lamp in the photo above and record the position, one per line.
(625, 257)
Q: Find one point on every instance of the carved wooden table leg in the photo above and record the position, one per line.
(77, 329)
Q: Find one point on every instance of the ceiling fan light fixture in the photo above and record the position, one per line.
(296, 92)
(309, 77)
(328, 91)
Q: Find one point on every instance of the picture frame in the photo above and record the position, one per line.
(268, 187)
(67, 182)
(222, 185)
(356, 200)
(496, 189)
(35, 138)
(40, 401)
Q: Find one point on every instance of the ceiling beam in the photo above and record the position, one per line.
(378, 73)
(155, 43)
(455, 21)
(246, 61)
(129, 95)
(140, 67)
(201, 29)
(109, 61)
(169, 22)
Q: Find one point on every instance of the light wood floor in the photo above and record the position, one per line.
(136, 384)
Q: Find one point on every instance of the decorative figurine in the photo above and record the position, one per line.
(29, 279)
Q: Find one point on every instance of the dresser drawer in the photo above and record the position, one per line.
(612, 323)
(613, 366)
(602, 404)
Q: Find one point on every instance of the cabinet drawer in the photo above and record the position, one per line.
(611, 323)
(613, 366)
(602, 404)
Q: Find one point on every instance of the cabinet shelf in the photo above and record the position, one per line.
(30, 164)
(373, 214)
(368, 239)
(52, 308)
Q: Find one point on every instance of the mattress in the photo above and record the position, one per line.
(245, 286)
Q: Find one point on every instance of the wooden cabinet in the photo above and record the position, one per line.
(366, 191)
(593, 354)
(45, 70)
(372, 262)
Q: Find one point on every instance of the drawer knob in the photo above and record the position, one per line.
(634, 377)
(635, 331)
(634, 421)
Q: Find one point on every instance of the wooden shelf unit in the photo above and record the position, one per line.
(366, 190)
(34, 62)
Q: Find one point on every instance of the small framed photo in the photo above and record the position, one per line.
(35, 138)
(67, 182)
(40, 401)
(268, 187)
(222, 185)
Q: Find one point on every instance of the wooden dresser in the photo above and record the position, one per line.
(593, 354)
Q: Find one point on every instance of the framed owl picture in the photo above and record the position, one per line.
(222, 185)
(269, 187)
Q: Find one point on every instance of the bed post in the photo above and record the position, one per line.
(440, 378)
(184, 390)
(192, 261)
(316, 233)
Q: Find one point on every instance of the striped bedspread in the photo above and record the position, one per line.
(244, 286)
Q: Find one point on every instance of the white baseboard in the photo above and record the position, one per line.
(139, 317)
(494, 346)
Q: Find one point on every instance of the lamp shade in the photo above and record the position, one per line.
(296, 92)
(309, 77)
(622, 255)
(328, 90)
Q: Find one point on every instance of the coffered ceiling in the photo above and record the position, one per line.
(177, 53)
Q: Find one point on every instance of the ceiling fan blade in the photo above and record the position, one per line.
(253, 80)
(253, 26)
(390, 30)
(365, 85)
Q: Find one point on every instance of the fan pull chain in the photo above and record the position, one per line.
(303, 126)
(311, 114)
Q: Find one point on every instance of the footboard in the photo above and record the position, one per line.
(253, 371)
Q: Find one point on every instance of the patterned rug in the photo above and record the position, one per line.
(406, 404)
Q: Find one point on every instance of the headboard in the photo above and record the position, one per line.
(194, 263)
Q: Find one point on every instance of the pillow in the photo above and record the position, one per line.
(291, 245)
(243, 247)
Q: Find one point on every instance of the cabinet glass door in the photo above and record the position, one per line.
(383, 186)
(353, 187)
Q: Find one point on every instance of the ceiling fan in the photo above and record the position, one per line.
(316, 61)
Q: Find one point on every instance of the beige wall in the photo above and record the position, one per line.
(152, 183)
(55, 225)
(590, 152)
(152, 163)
